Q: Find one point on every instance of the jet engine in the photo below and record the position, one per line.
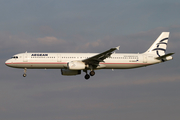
(70, 72)
(76, 65)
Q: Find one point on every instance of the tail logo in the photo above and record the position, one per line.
(158, 48)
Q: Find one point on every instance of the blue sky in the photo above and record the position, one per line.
(89, 26)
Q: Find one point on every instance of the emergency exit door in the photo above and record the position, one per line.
(58, 57)
(144, 58)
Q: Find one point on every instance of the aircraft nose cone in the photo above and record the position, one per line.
(7, 62)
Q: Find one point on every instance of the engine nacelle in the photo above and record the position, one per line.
(76, 65)
(70, 72)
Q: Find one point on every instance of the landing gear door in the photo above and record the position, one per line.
(25, 57)
(144, 58)
(58, 57)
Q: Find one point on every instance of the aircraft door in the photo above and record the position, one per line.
(25, 57)
(58, 57)
(144, 58)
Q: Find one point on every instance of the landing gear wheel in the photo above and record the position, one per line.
(87, 76)
(24, 75)
(92, 73)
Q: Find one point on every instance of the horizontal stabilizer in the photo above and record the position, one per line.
(164, 56)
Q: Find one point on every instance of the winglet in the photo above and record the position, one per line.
(117, 48)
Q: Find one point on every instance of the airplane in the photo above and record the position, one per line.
(73, 63)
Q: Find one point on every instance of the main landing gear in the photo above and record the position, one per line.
(87, 76)
(92, 73)
(24, 75)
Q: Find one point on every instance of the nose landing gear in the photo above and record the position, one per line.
(24, 75)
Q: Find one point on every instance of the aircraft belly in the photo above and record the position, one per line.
(48, 66)
(32, 65)
(123, 66)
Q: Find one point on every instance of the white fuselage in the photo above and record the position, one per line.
(60, 60)
(74, 63)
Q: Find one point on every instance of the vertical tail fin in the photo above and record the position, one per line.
(160, 45)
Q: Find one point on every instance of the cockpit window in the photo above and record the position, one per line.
(15, 57)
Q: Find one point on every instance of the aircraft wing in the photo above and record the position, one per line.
(94, 60)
